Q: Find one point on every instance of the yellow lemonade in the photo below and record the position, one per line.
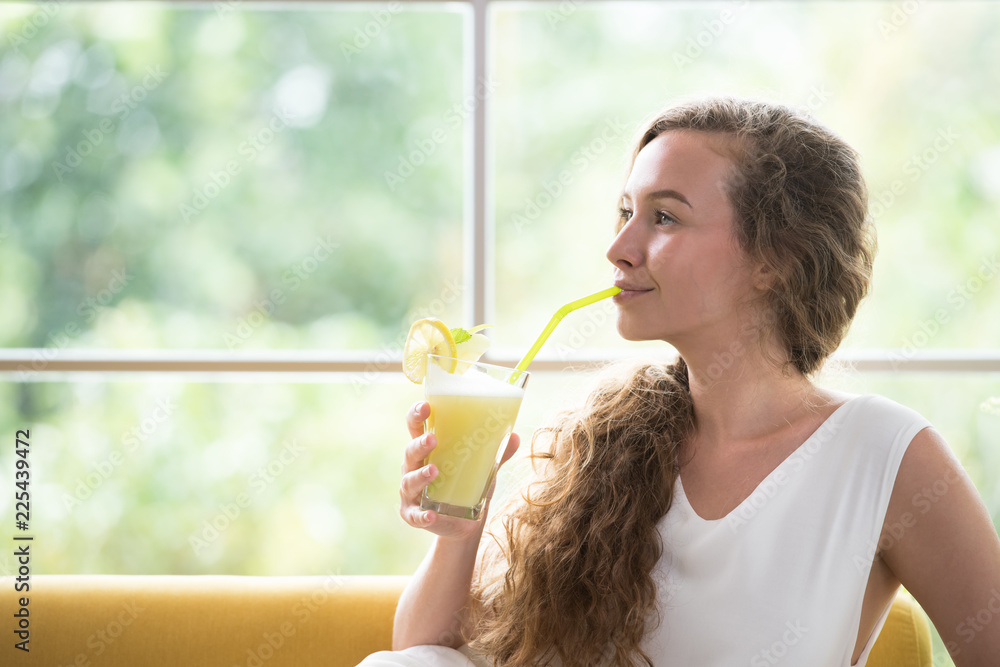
(470, 430)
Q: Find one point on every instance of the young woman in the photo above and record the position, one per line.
(722, 510)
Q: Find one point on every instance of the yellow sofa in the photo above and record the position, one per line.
(224, 621)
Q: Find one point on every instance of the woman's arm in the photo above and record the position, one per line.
(433, 607)
(947, 553)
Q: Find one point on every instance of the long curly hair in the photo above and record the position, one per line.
(565, 575)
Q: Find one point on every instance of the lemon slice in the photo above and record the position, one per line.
(470, 350)
(427, 336)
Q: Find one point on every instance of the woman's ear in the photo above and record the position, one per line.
(763, 276)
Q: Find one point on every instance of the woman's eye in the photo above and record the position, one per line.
(624, 214)
(664, 218)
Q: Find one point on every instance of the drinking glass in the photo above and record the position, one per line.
(472, 414)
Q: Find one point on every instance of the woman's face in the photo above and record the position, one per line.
(683, 276)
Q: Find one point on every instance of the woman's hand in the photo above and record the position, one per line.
(416, 476)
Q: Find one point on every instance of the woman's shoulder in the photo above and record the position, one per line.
(868, 432)
(874, 409)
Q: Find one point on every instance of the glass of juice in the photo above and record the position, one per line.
(472, 414)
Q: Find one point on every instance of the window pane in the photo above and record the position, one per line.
(288, 477)
(222, 176)
(170, 477)
(912, 92)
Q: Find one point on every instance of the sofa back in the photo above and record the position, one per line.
(229, 621)
(216, 621)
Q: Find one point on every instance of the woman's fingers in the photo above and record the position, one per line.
(410, 488)
(417, 451)
(422, 443)
(415, 418)
(512, 445)
(414, 482)
(416, 517)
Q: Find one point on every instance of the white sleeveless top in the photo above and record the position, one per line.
(780, 580)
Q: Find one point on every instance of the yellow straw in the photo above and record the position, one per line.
(561, 313)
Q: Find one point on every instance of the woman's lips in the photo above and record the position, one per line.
(627, 295)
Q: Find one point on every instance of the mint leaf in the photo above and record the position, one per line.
(460, 335)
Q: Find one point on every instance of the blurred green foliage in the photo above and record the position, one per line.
(212, 177)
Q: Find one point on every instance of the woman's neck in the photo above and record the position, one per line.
(741, 394)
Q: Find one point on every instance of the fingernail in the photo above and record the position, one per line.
(427, 471)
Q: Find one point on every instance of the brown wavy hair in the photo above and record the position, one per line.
(566, 571)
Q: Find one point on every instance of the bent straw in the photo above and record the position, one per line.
(561, 313)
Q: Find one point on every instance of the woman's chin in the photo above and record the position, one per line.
(635, 334)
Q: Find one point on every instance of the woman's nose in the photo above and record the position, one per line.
(625, 250)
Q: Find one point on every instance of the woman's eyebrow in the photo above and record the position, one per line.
(662, 194)
(672, 194)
